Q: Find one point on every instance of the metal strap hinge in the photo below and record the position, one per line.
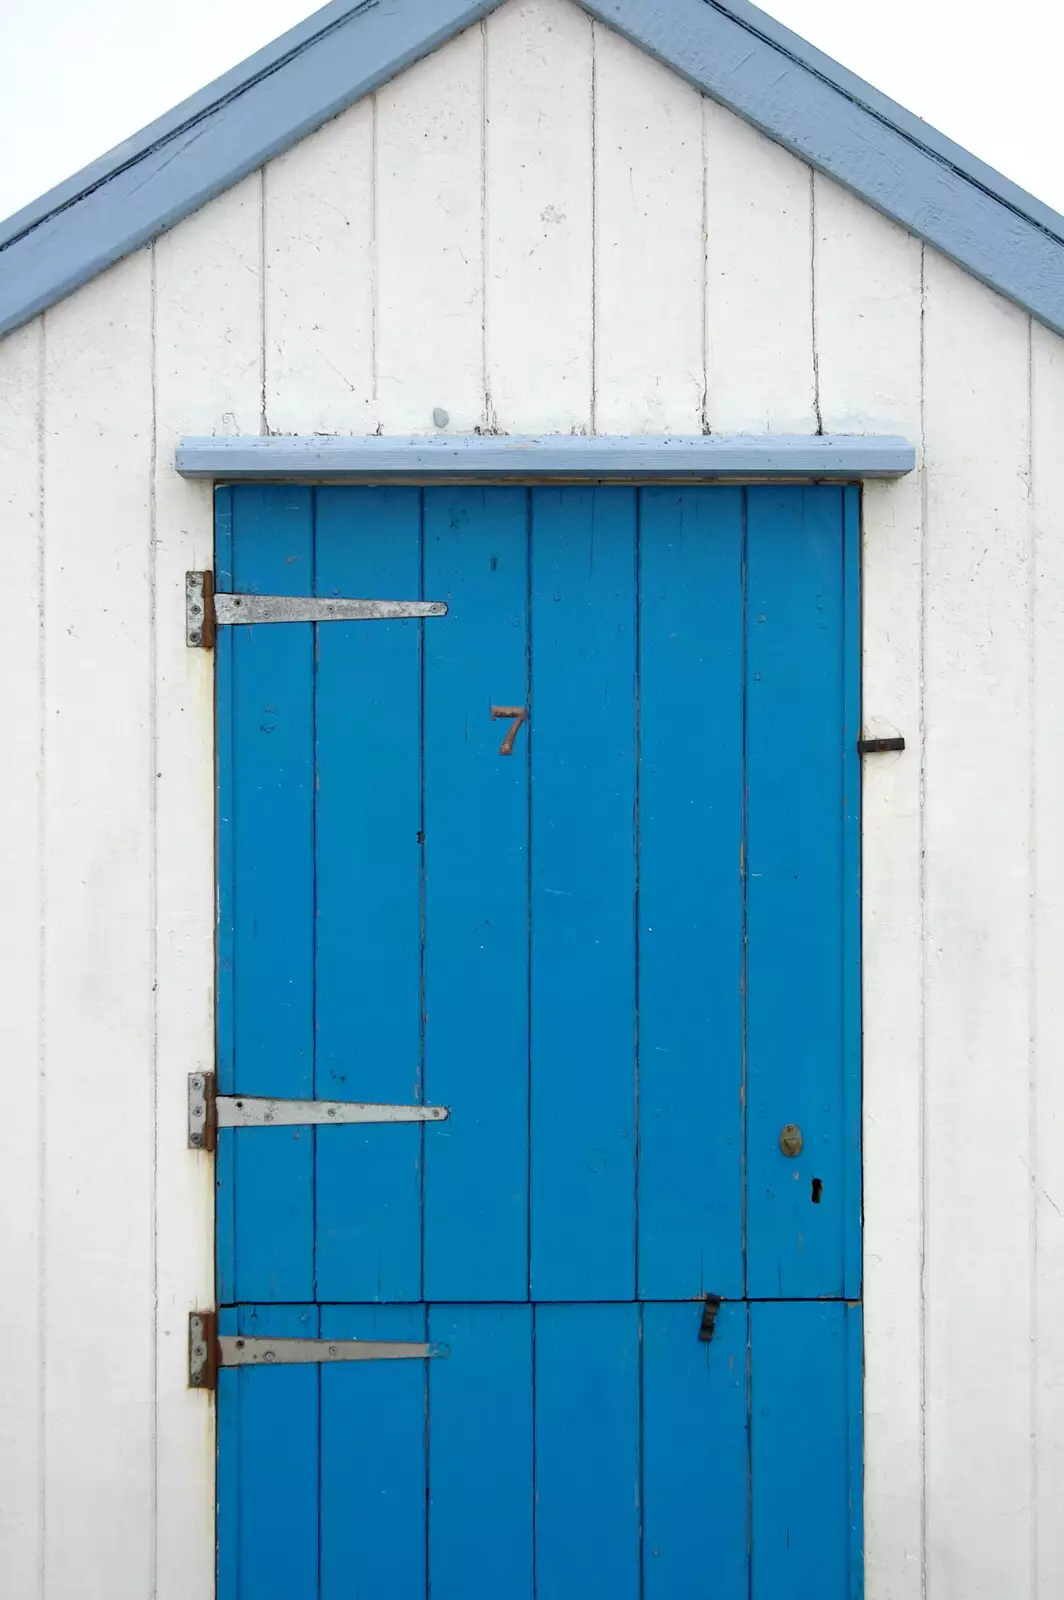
(206, 610)
(208, 1111)
(208, 1350)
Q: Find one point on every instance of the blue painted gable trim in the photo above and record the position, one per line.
(213, 140)
(440, 457)
(844, 128)
(728, 49)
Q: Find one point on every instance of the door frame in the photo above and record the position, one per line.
(889, 852)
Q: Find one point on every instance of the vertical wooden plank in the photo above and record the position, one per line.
(1048, 930)
(225, 936)
(695, 1454)
(476, 919)
(227, 1470)
(690, 893)
(268, 1478)
(759, 282)
(538, 217)
(206, 301)
(582, 728)
(21, 1147)
(429, 233)
(373, 1433)
(977, 910)
(805, 1501)
(318, 252)
(98, 943)
(850, 872)
(480, 1453)
(369, 927)
(800, 663)
(649, 253)
(587, 1450)
(868, 285)
(269, 842)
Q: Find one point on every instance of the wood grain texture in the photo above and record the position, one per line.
(1048, 940)
(368, 853)
(98, 1254)
(978, 998)
(267, 998)
(319, 291)
(868, 300)
(695, 1453)
(22, 1153)
(649, 366)
(429, 231)
(372, 1514)
(206, 276)
(759, 282)
(802, 660)
(690, 829)
(587, 1497)
(481, 1454)
(806, 1504)
(583, 951)
(538, 216)
(476, 950)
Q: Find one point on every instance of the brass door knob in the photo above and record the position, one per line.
(791, 1139)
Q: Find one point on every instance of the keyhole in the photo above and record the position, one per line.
(818, 1190)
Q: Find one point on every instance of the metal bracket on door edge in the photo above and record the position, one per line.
(206, 610)
(208, 1111)
(879, 747)
(208, 1350)
(710, 1310)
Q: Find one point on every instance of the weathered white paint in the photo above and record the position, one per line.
(868, 307)
(530, 241)
(317, 222)
(759, 282)
(539, 218)
(97, 829)
(429, 242)
(1047, 1097)
(21, 901)
(202, 304)
(977, 918)
(648, 247)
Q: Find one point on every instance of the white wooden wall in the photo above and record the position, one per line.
(536, 229)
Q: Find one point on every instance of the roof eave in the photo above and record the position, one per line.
(727, 49)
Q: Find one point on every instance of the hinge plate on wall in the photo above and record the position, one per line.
(206, 610)
(208, 1111)
(208, 1350)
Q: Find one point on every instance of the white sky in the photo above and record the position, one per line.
(80, 75)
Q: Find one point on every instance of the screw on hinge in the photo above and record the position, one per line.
(709, 1317)
(879, 747)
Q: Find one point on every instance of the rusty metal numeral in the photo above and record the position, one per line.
(518, 713)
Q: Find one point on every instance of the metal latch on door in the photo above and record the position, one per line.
(208, 1111)
(205, 610)
(208, 1350)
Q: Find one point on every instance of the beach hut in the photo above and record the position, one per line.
(533, 645)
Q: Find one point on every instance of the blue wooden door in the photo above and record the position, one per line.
(625, 955)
